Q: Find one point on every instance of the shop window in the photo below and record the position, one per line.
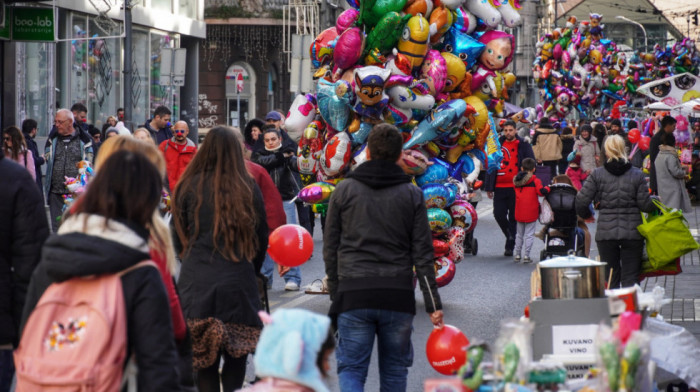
(188, 8)
(140, 68)
(78, 61)
(163, 5)
(104, 76)
(36, 85)
(167, 96)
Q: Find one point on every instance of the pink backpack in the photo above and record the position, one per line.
(76, 337)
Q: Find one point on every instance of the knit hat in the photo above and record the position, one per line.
(544, 123)
(576, 161)
(289, 346)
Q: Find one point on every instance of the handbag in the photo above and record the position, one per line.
(667, 236)
(671, 268)
(546, 214)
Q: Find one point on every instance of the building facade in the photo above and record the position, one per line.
(85, 62)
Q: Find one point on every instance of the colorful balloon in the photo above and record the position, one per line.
(348, 48)
(301, 113)
(463, 46)
(633, 135)
(444, 271)
(336, 154)
(414, 40)
(644, 143)
(434, 174)
(346, 20)
(439, 220)
(435, 195)
(290, 245)
(316, 193)
(413, 162)
(321, 49)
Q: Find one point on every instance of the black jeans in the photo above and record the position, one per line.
(231, 377)
(504, 213)
(56, 204)
(625, 259)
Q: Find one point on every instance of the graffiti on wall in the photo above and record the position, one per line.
(206, 107)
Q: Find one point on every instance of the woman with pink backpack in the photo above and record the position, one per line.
(95, 299)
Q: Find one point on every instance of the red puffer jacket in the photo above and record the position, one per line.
(527, 188)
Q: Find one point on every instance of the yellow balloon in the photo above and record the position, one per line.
(456, 71)
(482, 114)
(414, 40)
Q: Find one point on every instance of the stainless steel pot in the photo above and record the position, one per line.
(572, 277)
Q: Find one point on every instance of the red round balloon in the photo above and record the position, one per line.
(447, 349)
(290, 245)
(633, 135)
(644, 143)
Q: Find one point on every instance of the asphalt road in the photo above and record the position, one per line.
(487, 288)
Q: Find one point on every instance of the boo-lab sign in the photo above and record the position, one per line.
(32, 24)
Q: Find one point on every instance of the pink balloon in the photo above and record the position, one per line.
(348, 49)
(346, 19)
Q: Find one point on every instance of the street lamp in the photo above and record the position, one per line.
(640, 26)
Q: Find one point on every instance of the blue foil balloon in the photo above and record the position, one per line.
(466, 165)
(434, 174)
(435, 195)
(438, 122)
(439, 220)
(360, 136)
(453, 191)
(493, 148)
(463, 46)
(334, 109)
(354, 4)
(479, 154)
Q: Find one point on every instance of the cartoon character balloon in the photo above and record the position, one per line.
(369, 89)
(414, 40)
(497, 55)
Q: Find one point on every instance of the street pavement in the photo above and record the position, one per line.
(487, 288)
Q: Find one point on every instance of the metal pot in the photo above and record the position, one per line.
(572, 277)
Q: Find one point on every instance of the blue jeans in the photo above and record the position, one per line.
(268, 267)
(356, 330)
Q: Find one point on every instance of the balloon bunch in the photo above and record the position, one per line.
(76, 185)
(577, 68)
(435, 70)
(665, 61)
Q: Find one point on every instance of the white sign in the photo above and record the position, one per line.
(574, 339)
(173, 63)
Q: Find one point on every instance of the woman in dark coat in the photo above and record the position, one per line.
(622, 193)
(219, 216)
(567, 145)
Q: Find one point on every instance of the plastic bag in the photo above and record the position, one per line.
(546, 213)
(514, 350)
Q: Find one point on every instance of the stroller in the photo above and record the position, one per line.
(562, 235)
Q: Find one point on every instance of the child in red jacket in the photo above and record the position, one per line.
(527, 208)
(575, 173)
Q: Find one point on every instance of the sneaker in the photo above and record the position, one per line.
(527, 260)
(291, 286)
(516, 258)
(508, 252)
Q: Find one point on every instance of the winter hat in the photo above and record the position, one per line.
(576, 162)
(544, 123)
(274, 116)
(289, 346)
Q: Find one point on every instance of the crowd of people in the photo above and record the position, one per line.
(228, 194)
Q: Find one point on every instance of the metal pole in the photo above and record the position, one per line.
(646, 44)
(556, 14)
(238, 104)
(126, 87)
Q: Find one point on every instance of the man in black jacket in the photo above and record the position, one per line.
(376, 233)
(23, 230)
(159, 125)
(29, 128)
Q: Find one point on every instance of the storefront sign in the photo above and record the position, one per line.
(574, 339)
(5, 26)
(234, 70)
(32, 24)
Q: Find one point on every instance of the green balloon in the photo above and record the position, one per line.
(386, 33)
(372, 11)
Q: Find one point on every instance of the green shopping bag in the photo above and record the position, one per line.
(667, 236)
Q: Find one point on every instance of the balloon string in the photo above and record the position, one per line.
(634, 150)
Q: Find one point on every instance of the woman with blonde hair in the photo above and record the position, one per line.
(143, 135)
(219, 217)
(621, 193)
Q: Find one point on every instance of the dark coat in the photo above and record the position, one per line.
(623, 193)
(283, 170)
(212, 285)
(38, 159)
(524, 151)
(73, 254)
(527, 188)
(158, 135)
(377, 232)
(23, 230)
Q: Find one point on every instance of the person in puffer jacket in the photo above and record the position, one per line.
(293, 352)
(621, 191)
(527, 208)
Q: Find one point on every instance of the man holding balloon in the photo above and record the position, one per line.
(376, 234)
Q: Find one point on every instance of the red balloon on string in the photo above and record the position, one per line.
(290, 245)
(633, 135)
(644, 143)
(447, 349)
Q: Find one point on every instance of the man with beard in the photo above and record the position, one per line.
(178, 151)
(499, 186)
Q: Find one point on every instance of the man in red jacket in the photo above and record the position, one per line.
(178, 152)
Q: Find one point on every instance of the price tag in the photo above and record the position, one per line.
(574, 339)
